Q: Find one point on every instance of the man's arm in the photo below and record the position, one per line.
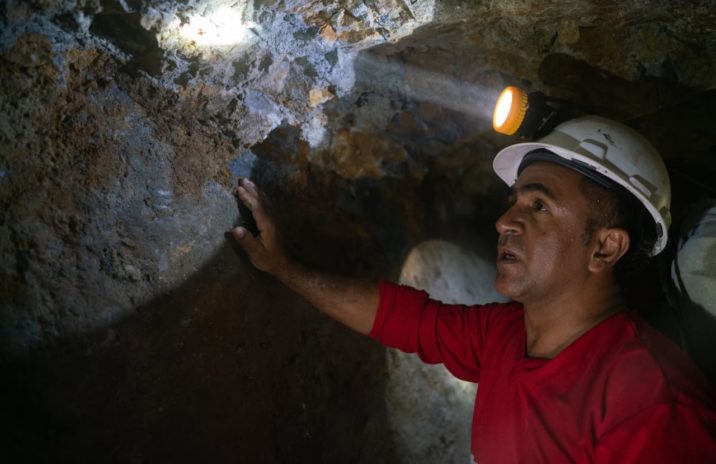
(353, 302)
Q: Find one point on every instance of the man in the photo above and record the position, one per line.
(567, 373)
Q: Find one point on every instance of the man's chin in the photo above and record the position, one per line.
(506, 287)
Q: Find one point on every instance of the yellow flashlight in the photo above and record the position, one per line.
(510, 110)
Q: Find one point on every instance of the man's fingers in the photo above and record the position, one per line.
(250, 186)
(250, 196)
(264, 250)
(263, 220)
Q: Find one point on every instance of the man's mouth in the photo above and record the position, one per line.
(506, 256)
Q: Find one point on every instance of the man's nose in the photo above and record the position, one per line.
(509, 222)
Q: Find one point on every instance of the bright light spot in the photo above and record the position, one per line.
(502, 110)
(222, 27)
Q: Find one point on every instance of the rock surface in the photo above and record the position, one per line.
(125, 123)
(429, 410)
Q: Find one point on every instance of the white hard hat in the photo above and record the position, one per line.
(593, 144)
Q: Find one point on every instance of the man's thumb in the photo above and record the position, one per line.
(245, 239)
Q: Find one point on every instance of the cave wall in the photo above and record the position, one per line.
(129, 327)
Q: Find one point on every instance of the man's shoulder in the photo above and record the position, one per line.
(496, 318)
(643, 368)
(403, 293)
(493, 319)
(508, 314)
(653, 404)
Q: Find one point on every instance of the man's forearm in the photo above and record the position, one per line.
(353, 302)
(350, 301)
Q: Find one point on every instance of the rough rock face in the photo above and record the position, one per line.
(96, 200)
(125, 123)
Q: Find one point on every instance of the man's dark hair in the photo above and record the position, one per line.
(611, 208)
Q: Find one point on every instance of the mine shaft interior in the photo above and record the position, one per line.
(132, 329)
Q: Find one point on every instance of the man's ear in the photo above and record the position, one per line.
(609, 246)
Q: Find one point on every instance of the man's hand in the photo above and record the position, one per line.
(265, 250)
(352, 302)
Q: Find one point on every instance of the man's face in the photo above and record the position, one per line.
(541, 249)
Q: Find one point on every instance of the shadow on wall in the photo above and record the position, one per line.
(229, 367)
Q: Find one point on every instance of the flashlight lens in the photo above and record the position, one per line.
(502, 109)
(509, 111)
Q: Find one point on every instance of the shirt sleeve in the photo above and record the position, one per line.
(663, 433)
(454, 335)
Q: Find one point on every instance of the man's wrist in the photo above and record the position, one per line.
(285, 269)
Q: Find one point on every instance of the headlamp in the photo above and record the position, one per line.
(510, 110)
(530, 115)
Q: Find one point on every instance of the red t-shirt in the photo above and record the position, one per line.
(620, 393)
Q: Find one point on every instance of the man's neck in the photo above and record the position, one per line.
(553, 325)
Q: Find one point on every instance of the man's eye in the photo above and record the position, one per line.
(539, 206)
